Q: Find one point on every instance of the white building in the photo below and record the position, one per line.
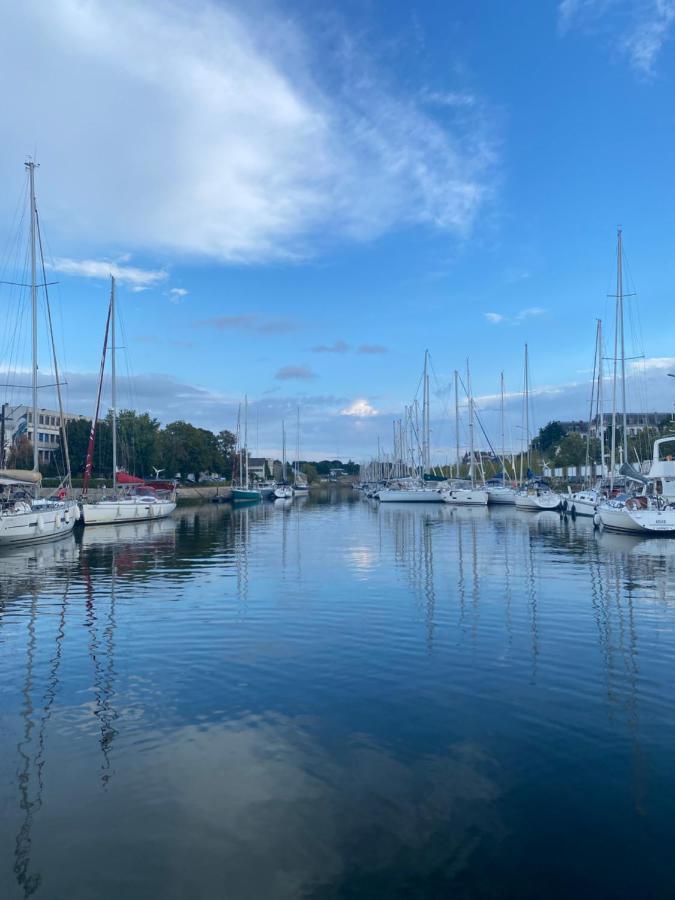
(18, 422)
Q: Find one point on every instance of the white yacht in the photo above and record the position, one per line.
(537, 496)
(501, 494)
(409, 491)
(466, 496)
(25, 517)
(583, 503)
(653, 510)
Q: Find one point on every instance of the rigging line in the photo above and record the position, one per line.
(64, 430)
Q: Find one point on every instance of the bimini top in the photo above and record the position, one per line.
(19, 476)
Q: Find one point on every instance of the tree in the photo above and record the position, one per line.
(21, 454)
(226, 448)
(189, 450)
(571, 450)
(309, 470)
(138, 440)
(549, 437)
(77, 433)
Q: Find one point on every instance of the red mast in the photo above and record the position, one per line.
(92, 434)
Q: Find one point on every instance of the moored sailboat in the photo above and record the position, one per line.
(25, 517)
(135, 500)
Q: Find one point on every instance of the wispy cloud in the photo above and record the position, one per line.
(293, 373)
(335, 347)
(372, 348)
(639, 28)
(178, 292)
(530, 312)
(140, 279)
(360, 408)
(246, 149)
(248, 323)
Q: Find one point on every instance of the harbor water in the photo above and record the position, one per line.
(329, 699)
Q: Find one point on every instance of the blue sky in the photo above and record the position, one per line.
(299, 198)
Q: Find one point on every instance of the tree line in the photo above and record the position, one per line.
(143, 446)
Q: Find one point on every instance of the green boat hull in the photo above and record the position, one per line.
(247, 496)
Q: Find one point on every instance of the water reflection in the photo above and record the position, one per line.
(333, 699)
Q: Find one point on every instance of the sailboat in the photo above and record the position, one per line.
(500, 493)
(300, 485)
(469, 495)
(415, 489)
(25, 517)
(242, 491)
(585, 502)
(283, 490)
(535, 495)
(136, 500)
(653, 509)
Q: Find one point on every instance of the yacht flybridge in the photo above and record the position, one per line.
(132, 499)
(25, 517)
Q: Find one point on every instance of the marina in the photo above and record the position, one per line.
(413, 718)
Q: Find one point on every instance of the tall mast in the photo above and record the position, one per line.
(527, 405)
(425, 416)
(246, 439)
(113, 375)
(619, 292)
(501, 413)
(471, 461)
(283, 450)
(593, 395)
(30, 165)
(457, 418)
(601, 412)
(297, 449)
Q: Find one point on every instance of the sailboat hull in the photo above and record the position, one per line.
(409, 496)
(245, 495)
(466, 497)
(107, 512)
(37, 524)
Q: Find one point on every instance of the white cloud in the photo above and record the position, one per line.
(178, 292)
(140, 279)
(206, 129)
(360, 408)
(639, 28)
(528, 313)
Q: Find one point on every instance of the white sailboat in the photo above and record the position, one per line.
(585, 502)
(500, 493)
(283, 490)
(619, 513)
(136, 501)
(300, 485)
(535, 495)
(472, 495)
(25, 518)
(414, 489)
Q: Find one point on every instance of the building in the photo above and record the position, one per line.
(18, 423)
(258, 467)
(635, 423)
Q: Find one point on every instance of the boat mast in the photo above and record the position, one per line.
(472, 473)
(501, 413)
(246, 440)
(425, 417)
(601, 412)
(527, 407)
(593, 396)
(30, 165)
(619, 291)
(457, 418)
(113, 376)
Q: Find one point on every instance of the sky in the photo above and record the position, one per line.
(298, 199)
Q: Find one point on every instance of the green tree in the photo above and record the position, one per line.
(226, 448)
(310, 471)
(189, 450)
(77, 433)
(549, 437)
(571, 450)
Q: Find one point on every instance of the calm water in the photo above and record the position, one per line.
(335, 700)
